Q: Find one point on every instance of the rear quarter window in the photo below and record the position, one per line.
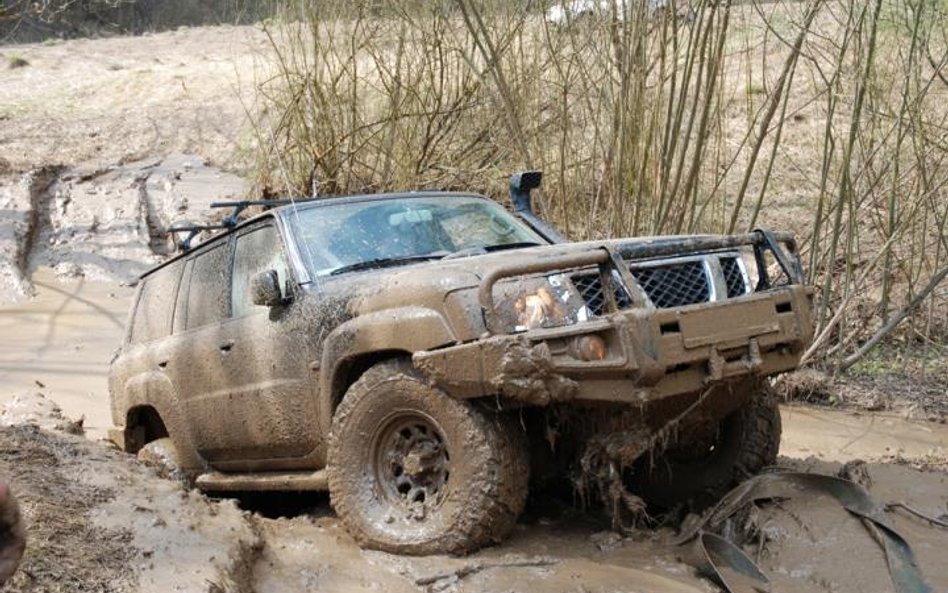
(152, 319)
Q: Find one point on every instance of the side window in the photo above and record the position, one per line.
(256, 251)
(181, 304)
(152, 319)
(207, 291)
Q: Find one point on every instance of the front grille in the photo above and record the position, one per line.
(590, 288)
(733, 277)
(674, 285)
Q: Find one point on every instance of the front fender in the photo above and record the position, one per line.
(404, 329)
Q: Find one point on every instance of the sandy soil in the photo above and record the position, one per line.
(95, 138)
(108, 101)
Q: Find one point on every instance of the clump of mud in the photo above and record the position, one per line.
(99, 521)
(37, 410)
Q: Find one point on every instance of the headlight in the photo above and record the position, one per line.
(539, 301)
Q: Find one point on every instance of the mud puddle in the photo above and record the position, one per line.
(60, 342)
(565, 555)
(836, 435)
(808, 544)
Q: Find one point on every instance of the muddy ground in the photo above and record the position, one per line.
(100, 521)
(106, 143)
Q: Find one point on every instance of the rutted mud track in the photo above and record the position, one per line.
(102, 224)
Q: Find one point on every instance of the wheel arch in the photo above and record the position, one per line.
(355, 346)
(151, 406)
(350, 369)
(143, 424)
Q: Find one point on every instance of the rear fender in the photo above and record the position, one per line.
(155, 389)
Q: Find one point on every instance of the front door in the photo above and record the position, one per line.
(268, 408)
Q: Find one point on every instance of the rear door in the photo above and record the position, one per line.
(192, 356)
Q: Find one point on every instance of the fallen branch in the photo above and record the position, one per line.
(901, 505)
(896, 320)
(475, 567)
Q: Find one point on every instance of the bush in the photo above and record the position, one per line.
(824, 118)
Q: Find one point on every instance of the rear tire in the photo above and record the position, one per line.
(414, 471)
(162, 456)
(746, 442)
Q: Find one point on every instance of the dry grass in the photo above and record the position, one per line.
(826, 118)
(65, 551)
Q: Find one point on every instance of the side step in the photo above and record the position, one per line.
(264, 481)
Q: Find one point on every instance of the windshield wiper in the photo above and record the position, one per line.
(518, 245)
(386, 262)
(482, 249)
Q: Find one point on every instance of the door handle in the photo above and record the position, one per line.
(226, 346)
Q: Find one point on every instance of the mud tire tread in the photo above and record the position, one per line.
(762, 429)
(493, 445)
(752, 443)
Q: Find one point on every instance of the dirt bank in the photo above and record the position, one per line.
(99, 521)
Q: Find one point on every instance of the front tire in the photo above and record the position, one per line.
(699, 473)
(414, 471)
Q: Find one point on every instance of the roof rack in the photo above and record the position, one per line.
(230, 221)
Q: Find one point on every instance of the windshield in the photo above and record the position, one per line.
(345, 236)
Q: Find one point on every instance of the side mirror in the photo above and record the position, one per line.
(265, 288)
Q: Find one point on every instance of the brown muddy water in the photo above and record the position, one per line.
(60, 342)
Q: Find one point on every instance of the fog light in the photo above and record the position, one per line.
(590, 348)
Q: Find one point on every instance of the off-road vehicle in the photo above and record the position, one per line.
(421, 354)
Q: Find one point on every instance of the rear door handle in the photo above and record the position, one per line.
(226, 346)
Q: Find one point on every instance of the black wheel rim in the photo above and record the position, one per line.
(412, 465)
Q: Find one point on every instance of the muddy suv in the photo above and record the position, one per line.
(421, 355)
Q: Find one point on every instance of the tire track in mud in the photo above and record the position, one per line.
(156, 232)
(40, 183)
(24, 211)
(103, 223)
